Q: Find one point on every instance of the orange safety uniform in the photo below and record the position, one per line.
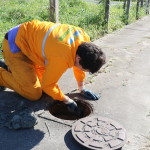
(51, 49)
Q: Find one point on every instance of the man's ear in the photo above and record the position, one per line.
(78, 57)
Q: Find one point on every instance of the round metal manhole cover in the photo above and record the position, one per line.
(99, 133)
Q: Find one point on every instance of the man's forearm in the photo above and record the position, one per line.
(66, 99)
(80, 86)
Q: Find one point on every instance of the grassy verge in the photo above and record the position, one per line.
(14, 12)
(87, 15)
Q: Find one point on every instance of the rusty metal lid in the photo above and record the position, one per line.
(99, 133)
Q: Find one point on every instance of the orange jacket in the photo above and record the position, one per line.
(56, 52)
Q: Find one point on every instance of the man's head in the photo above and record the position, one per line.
(89, 57)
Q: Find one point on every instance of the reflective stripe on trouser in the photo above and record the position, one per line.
(22, 78)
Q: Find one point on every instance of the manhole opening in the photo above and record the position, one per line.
(59, 110)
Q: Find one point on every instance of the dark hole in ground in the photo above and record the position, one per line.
(59, 110)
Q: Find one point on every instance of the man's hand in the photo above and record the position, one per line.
(89, 94)
(72, 106)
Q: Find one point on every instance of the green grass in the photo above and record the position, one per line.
(14, 12)
(115, 21)
(88, 16)
(85, 15)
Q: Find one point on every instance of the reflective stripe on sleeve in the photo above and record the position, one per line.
(44, 41)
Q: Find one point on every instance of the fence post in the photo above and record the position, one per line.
(142, 3)
(106, 17)
(124, 4)
(147, 6)
(137, 9)
(127, 11)
(54, 10)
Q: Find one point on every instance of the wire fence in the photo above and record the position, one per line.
(126, 6)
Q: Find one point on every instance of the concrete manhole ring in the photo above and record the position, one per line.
(99, 133)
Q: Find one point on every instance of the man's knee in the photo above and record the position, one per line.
(34, 95)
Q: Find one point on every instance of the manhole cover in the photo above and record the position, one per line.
(60, 110)
(99, 133)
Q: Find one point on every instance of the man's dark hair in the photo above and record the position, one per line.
(92, 57)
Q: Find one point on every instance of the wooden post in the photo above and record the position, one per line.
(147, 6)
(127, 11)
(106, 17)
(54, 10)
(142, 3)
(124, 4)
(137, 9)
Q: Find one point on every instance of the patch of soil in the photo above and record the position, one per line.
(60, 110)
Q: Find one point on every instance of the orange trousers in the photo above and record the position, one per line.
(23, 76)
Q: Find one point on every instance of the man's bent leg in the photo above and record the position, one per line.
(39, 71)
(22, 77)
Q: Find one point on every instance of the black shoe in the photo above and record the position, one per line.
(3, 65)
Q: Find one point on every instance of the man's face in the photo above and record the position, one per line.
(78, 65)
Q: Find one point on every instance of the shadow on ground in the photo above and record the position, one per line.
(71, 143)
(10, 101)
(24, 139)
